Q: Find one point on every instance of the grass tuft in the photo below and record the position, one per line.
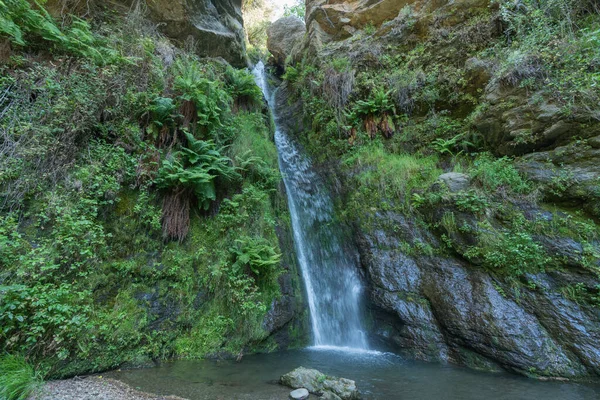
(18, 379)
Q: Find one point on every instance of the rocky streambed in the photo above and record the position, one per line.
(94, 388)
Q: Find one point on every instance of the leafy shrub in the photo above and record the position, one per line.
(494, 174)
(510, 253)
(292, 74)
(18, 379)
(204, 102)
(471, 201)
(191, 171)
(376, 112)
(196, 167)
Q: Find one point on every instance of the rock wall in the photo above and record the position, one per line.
(444, 305)
(215, 28)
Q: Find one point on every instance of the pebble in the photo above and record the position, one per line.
(299, 394)
(93, 388)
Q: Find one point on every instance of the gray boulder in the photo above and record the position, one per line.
(455, 181)
(318, 383)
(283, 35)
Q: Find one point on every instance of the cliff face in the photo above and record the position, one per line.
(469, 169)
(214, 28)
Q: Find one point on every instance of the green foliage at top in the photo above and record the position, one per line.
(23, 24)
(197, 166)
(18, 380)
(298, 9)
(553, 48)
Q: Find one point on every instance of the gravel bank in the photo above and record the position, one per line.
(94, 388)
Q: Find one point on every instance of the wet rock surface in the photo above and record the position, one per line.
(215, 26)
(299, 394)
(328, 387)
(283, 35)
(445, 309)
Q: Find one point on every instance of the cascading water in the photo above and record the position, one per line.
(329, 269)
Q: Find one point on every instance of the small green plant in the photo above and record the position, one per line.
(256, 254)
(292, 74)
(494, 174)
(297, 9)
(18, 379)
(370, 29)
(510, 253)
(203, 101)
(471, 201)
(376, 113)
(196, 167)
(454, 146)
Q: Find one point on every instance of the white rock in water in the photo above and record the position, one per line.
(299, 394)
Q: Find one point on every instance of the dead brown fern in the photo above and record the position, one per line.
(337, 88)
(176, 214)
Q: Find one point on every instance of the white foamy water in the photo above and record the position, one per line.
(329, 266)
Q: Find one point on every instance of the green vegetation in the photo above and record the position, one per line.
(138, 202)
(25, 23)
(18, 380)
(298, 9)
(437, 101)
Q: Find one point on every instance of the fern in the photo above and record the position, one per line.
(196, 168)
(18, 19)
(241, 84)
(210, 100)
(256, 254)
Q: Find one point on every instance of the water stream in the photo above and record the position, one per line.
(329, 267)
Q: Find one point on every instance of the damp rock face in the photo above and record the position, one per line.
(315, 382)
(215, 28)
(283, 35)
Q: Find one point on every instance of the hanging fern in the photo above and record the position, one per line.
(243, 88)
(196, 168)
(204, 102)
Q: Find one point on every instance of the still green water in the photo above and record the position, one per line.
(378, 376)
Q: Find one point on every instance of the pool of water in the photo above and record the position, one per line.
(378, 376)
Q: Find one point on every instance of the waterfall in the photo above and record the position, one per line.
(329, 268)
